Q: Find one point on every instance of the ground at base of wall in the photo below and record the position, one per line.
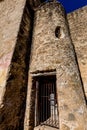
(44, 127)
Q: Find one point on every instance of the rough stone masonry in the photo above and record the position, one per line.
(28, 45)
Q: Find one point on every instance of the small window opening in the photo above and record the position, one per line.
(46, 109)
(57, 32)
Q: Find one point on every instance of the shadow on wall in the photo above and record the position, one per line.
(76, 59)
(1, 0)
(14, 102)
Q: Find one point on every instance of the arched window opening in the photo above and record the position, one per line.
(58, 32)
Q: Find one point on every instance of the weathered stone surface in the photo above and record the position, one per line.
(51, 53)
(78, 29)
(48, 53)
(65, 127)
(29, 114)
(42, 40)
(11, 12)
(71, 117)
(10, 16)
(14, 101)
(34, 3)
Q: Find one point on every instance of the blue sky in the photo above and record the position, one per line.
(71, 5)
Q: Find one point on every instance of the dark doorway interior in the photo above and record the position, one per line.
(45, 101)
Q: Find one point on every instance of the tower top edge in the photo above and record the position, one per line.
(50, 2)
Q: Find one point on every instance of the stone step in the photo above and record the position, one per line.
(45, 127)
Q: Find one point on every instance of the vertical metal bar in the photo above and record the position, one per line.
(36, 105)
(56, 107)
(46, 101)
(54, 100)
(50, 104)
(43, 103)
(57, 115)
(49, 101)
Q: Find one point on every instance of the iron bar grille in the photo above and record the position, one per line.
(46, 109)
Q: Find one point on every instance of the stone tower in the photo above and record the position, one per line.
(42, 81)
(53, 54)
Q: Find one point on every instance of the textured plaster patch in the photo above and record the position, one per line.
(70, 125)
(4, 68)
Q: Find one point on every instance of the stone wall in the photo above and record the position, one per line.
(14, 101)
(45, 23)
(78, 29)
(10, 16)
(50, 53)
